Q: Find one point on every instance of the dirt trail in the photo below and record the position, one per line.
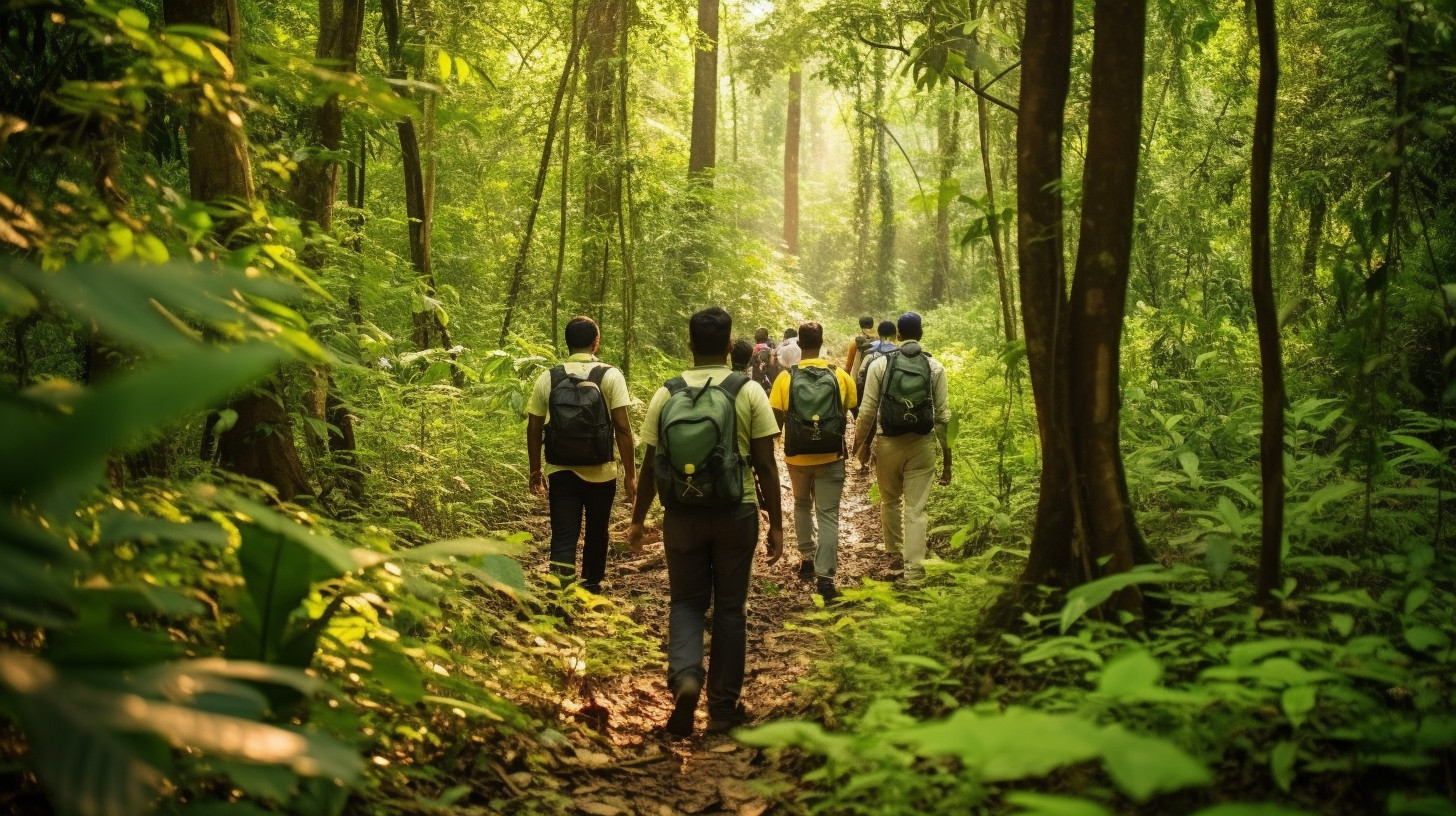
(648, 773)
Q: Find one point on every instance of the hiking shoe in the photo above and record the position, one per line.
(825, 589)
(806, 569)
(684, 706)
(723, 723)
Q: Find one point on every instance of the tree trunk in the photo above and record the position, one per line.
(1266, 315)
(260, 443)
(1314, 236)
(993, 214)
(605, 21)
(703, 152)
(1099, 287)
(561, 227)
(947, 149)
(884, 279)
(793, 127)
(518, 271)
(1045, 77)
(864, 194)
(316, 182)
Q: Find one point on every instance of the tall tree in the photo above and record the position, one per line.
(883, 290)
(1085, 525)
(947, 148)
(1271, 443)
(604, 68)
(793, 128)
(260, 442)
(703, 151)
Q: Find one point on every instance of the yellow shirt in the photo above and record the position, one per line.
(779, 400)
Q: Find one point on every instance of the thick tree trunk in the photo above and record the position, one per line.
(1099, 287)
(1045, 77)
(260, 443)
(1266, 315)
(703, 152)
(316, 182)
(793, 127)
(518, 271)
(605, 22)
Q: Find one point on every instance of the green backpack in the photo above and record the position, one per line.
(905, 399)
(698, 464)
(814, 422)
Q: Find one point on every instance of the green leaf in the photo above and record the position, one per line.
(1145, 766)
(1281, 763)
(1416, 599)
(1017, 744)
(1086, 596)
(399, 675)
(1219, 550)
(1044, 804)
(1188, 460)
(874, 493)
(1406, 804)
(119, 526)
(62, 451)
(1328, 494)
(443, 64)
(921, 661)
(1251, 809)
(1426, 638)
(1297, 702)
(278, 574)
(133, 18)
(1131, 672)
(1342, 623)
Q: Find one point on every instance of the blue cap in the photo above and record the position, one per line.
(908, 325)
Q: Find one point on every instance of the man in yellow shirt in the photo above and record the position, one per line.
(810, 401)
(859, 344)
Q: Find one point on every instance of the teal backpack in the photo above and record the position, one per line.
(814, 422)
(905, 399)
(697, 444)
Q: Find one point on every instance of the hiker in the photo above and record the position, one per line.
(859, 344)
(710, 522)
(789, 352)
(809, 401)
(764, 367)
(883, 344)
(741, 354)
(905, 399)
(579, 409)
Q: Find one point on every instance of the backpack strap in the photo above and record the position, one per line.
(675, 385)
(733, 383)
(558, 373)
(596, 374)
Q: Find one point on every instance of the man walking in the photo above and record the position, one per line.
(707, 437)
(809, 401)
(905, 399)
(859, 344)
(579, 409)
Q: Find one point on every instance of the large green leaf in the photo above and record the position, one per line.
(1145, 766)
(1018, 744)
(1045, 804)
(57, 451)
(1082, 598)
(278, 572)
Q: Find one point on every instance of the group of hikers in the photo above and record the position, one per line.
(710, 435)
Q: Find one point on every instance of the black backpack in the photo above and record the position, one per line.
(814, 422)
(580, 431)
(863, 342)
(697, 463)
(906, 406)
(765, 368)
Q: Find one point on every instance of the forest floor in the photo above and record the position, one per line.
(636, 769)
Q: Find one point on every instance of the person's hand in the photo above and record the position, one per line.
(629, 487)
(538, 483)
(634, 538)
(945, 474)
(863, 454)
(775, 543)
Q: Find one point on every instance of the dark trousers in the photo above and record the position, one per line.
(570, 496)
(709, 561)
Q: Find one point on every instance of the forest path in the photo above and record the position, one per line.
(637, 769)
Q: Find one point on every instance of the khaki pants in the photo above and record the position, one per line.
(905, 467)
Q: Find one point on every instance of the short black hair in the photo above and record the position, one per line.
(790, 332)
(909, 326)
(887, 329)
(761, 335)
(741, 354)
(581, 332)
(811, 335)
(710, 330)
(866, 322)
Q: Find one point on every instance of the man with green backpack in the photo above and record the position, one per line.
(810, 400)
(707, 436)
(905, 400)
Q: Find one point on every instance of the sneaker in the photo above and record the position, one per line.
(723, 723)
(684, 706)
(825, 588)
(806, 569)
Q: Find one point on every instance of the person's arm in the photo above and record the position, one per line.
(534, 427)
(626, 452)
(869, 413)
(765, 470)
(646, 492)
(851, 353)
(778, 399)
(940, 390)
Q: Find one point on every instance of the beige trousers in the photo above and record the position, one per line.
(905, 467)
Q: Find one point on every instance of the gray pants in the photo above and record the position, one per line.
(816, 513)
(709, 561)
